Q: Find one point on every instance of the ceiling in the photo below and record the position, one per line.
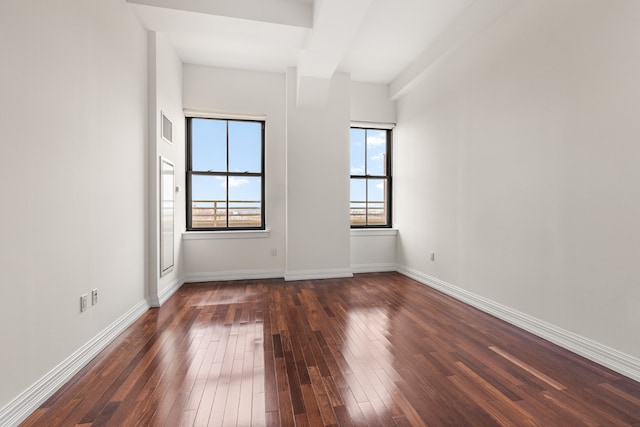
(380, 41)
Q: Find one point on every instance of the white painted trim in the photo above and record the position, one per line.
(29, 400)
(318, 274)
(370, 232)
(596, 352)
(232, 234)
(373, 125)
(153, 301)
(223, 115)
(165, 294)
(215, 276)
(373, 268)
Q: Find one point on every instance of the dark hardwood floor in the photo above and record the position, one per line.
(378, 349)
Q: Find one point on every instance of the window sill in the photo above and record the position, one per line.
(369, 232)
(213, 235)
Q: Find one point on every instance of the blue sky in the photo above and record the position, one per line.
(210, 153)
(367, 157)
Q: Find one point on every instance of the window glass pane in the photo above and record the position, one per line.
(376, 152)
(357, 211)
(209, 145)
(245, 146)
(371, 172)
(221, 194)
(245, 201)
(377, 200)
(208, 201)
(357, 152)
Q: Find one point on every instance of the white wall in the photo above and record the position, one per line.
(231, 91)
(517, 163)
(317, 183)
(73, 101)
(372, 250)
(370, 103)
(299, 144)
(165, 96)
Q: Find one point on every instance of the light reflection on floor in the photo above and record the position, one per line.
(367, 350)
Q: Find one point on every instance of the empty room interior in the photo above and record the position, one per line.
(421, 212)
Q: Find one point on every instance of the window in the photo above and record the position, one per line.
(370, 178)
(225, 174)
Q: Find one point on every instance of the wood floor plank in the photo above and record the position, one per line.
(553, 383)
(376, 349)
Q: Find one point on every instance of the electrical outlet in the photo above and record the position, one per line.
(273, 252)
(94, 296)
(433, 256)
(84, 301)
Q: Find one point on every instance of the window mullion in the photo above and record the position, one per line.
(366, 173)
(263, 202)
(366, 201)
(227, 177)
(366, 154)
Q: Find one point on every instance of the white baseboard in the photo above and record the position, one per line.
(317, 274)
(29, 400)
(165, 294)
(373, 268)
(601, 354)
(214, 276)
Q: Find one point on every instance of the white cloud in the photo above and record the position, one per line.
(357, 171)
(378, 157)
(236, 182)
(375, 140)
(380, 186)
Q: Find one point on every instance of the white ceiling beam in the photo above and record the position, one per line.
(312, 92)
(335, 25)
(471, 21)
(283, 12)
(216, 27)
